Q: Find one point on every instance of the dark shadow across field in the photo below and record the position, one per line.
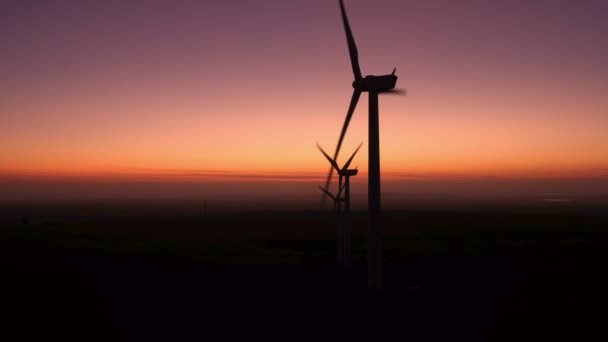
(448, 275)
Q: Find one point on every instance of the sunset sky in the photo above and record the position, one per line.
(226, 91)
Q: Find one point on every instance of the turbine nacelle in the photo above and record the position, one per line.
(376, 84)
(344, 171)
(348, 172)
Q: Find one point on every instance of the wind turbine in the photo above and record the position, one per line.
(373, 85)
(338, 207)
(345, 173)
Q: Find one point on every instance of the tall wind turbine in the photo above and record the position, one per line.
(338, 207)
(373, 85)
(345, 173)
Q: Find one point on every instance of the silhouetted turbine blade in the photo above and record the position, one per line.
(328, 193)
(352, 47)
(331, 161)
(331, 170)
(351, 157)
(351, 109)
(395, 92)
(340, 191)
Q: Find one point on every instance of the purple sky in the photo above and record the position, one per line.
(494, 87)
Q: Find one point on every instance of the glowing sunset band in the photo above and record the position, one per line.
(163, 175)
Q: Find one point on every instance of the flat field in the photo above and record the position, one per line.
(448, 275)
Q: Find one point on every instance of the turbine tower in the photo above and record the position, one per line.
(374, 86)
(345, 173)
(338, 207)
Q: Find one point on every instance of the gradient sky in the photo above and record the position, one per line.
(219, 90)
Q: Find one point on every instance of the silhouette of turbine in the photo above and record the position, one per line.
(338, 207)
(373, 85)
(345, 173)
(336, 198)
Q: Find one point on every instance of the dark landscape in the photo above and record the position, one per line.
(159, 179)
(117, 273)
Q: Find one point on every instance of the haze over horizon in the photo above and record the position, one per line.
(508, 98)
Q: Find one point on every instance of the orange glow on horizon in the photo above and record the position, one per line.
(176, 99)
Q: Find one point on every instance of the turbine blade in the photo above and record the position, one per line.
(394, 92)
(329, 194)
(351, 109)
(331, 161)
(352, 47)
(351, 157)
(330, 173)
(340, 191)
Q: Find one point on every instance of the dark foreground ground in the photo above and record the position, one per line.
(448, 276)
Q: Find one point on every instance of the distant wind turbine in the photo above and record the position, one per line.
(338, 208)
(373, 85)
(345, 173)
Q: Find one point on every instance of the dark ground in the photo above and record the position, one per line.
(485, 275)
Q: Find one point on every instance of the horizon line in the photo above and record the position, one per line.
(215, 175)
